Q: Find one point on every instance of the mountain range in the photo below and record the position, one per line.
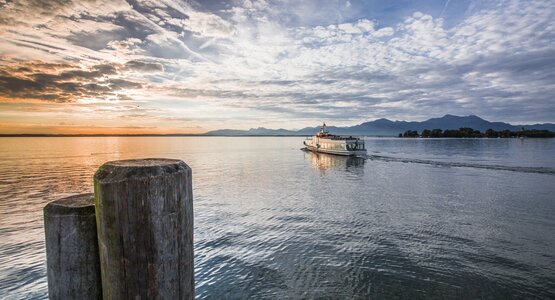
(385, 127)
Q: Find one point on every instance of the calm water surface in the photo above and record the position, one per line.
(428, 219)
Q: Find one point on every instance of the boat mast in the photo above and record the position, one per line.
(323, 129)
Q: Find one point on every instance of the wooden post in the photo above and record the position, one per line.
(72, 260)
(145, 229)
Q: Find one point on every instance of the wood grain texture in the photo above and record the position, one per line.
(72, 259)
(145, 229)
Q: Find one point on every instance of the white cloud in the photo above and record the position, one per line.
(207, 25)
(384, 32)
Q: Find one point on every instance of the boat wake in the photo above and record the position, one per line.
(539, 170)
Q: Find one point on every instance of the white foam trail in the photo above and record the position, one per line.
(539, 170)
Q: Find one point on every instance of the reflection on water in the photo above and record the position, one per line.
(273, 222)
(323, 162)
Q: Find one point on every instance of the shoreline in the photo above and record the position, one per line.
(239, 135)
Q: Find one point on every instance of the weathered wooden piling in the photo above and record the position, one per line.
(73, 263)
(145, 229)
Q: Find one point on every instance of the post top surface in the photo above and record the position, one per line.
(145, 162)
(81, 204)
(120, 170)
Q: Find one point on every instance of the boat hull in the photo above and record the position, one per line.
(336, 152)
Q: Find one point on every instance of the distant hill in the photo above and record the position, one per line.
(385, 127)
(252, 131)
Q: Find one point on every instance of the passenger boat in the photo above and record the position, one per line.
(326, 142)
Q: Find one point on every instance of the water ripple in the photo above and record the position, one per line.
(272, 222)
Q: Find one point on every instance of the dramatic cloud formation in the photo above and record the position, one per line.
(172, 65)
(67, 83)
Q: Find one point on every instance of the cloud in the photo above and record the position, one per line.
(203, 24)
(292, 60)
(126, 46)
(144, 66)
(62, 82)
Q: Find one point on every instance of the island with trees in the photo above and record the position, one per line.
(466, 132)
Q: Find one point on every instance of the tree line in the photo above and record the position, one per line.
(467, 132)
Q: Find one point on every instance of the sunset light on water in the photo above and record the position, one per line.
(277, 149)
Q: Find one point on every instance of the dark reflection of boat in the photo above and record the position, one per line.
(323, 161)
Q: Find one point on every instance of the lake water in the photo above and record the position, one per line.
(420, 219)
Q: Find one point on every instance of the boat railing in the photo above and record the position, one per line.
(351, 137)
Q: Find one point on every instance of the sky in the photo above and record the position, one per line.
(173, 66)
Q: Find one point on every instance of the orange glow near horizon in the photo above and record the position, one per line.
(6, 128)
